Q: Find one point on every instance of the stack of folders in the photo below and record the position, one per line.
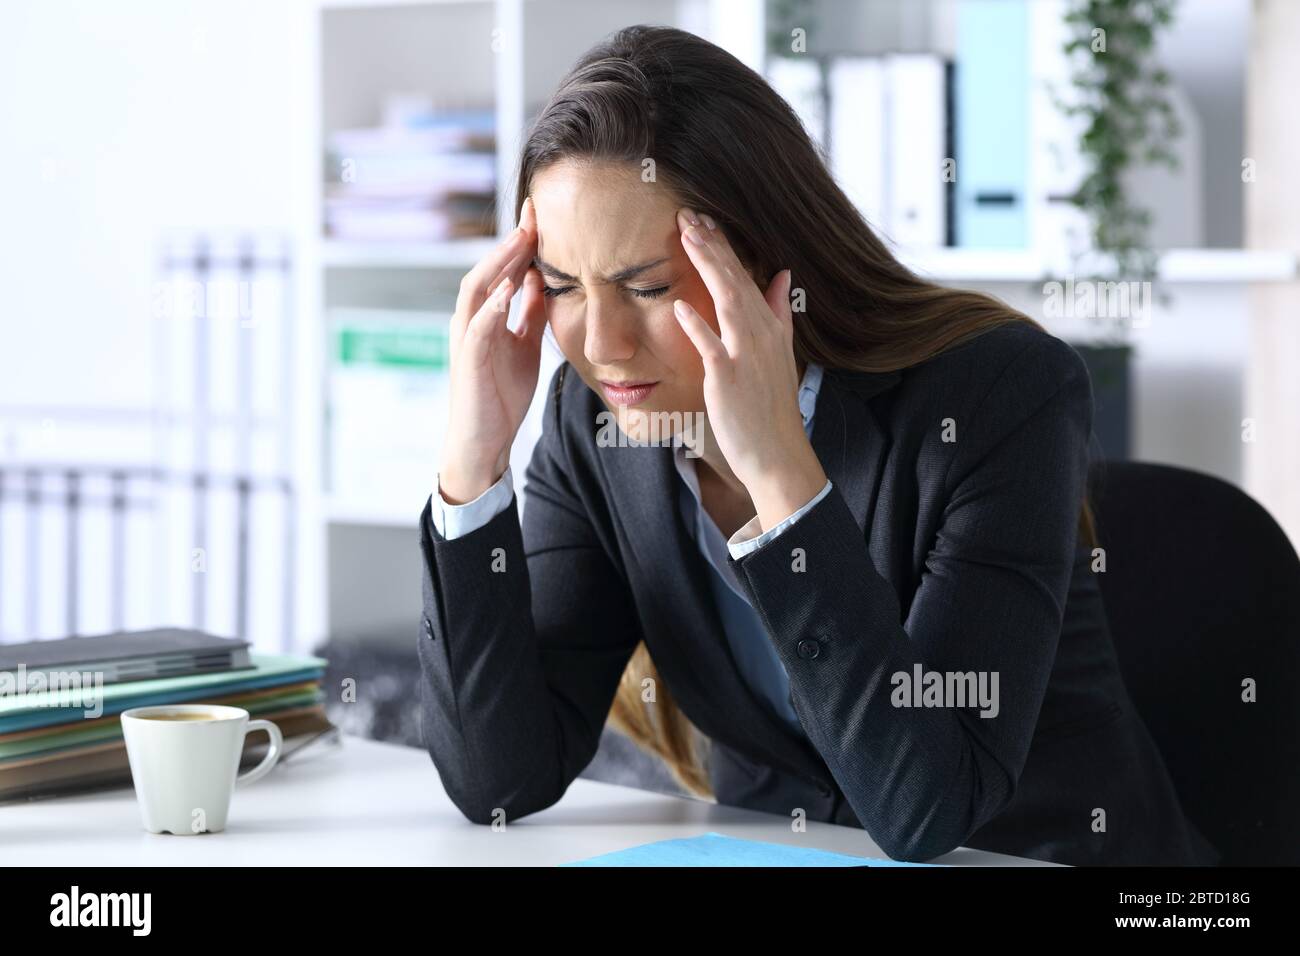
(61, 701)
(423, 175)
(884, 127)
(967, 148)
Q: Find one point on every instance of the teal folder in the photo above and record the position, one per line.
(23, 712)
(717, 849)
(993, 89)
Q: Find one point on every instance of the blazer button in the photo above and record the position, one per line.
(428, 628)
(809, 649)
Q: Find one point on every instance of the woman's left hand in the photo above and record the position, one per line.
(751, 379)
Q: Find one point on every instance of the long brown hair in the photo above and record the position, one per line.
(727, 145)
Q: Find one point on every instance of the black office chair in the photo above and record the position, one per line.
(1202, 589)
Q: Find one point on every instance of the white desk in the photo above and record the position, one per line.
(362, 802)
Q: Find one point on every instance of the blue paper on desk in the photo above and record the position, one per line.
(716, 849)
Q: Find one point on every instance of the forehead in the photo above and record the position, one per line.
(593, 220)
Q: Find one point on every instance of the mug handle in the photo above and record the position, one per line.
(273, 755)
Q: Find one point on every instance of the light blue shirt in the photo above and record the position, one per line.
(757, 659)
(755, 656)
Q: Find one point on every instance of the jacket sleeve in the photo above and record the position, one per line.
(526, 633)
(990, 599)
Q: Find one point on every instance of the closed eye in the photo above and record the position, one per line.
(649, 293)
(551, 292)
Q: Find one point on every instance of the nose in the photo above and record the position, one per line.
(611, 334)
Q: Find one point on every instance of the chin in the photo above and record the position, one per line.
(658, 425)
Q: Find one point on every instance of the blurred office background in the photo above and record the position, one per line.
(231, 232)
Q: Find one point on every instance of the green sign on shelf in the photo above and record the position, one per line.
(424, 348)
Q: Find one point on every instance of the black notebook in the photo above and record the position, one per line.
(128, 655)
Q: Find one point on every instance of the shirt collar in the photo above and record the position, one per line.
(808, 389)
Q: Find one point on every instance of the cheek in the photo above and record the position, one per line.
(567, 329)
(699, 300)
(665, 336)
(676, 350)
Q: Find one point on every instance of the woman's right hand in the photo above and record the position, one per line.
(493, 370)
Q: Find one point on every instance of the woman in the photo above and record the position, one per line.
(857, 558)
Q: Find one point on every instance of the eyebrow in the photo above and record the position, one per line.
(547, 269)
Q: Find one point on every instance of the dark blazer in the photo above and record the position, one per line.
(948, 540)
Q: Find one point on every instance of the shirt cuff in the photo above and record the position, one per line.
(743, 541)
(455, 521)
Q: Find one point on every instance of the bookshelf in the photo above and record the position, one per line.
(506, 56)
(454, 254)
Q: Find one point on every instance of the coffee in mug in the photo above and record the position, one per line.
(185, 763)
(174, 716)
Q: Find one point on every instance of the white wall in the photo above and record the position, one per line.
(1205, 49)
(124, 123)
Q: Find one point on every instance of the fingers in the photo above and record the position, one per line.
(696, 239)
(731, 287)
(482, 279)
(486, 324)
(708, 247)
(510, 256)
(777, 298)
(532, 308)
(711, 348)
(520, 266)
(483, 306)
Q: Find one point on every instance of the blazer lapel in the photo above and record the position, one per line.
(669, 575)
(685, 634)
(848, 439)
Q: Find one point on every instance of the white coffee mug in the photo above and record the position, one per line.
(185, 763)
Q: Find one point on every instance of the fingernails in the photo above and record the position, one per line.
(694, 234)
(693, 219)
(708, 221)
(679, 307)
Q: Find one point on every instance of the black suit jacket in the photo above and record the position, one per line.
(948, 540)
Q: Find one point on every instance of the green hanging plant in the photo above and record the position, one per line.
(1121, 95)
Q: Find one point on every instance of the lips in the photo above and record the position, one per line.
(629, 393)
